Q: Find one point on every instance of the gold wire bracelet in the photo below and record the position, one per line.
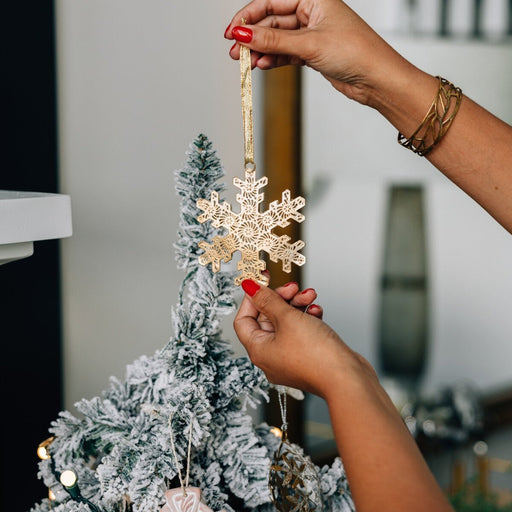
(437, 121)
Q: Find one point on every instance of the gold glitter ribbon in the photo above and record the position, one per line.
(246, 83)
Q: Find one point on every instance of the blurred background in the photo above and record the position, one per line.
(102, 99)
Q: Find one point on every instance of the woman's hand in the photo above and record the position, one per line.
(302, 300)
(294, 347)
(325, 35)
(297, 349)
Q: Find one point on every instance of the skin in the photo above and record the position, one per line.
(298, 349)
(384, 466)
(326, 35)
(301, 300)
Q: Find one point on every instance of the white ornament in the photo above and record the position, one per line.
(184, 500)
(293, 392)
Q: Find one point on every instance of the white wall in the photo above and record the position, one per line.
(137, 82)
(396, 16)
(351, 158)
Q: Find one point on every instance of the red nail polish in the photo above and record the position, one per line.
(313, 307)
(308, 290)
(233, 47)
(290, 283)
(242, 34)
(250, 287)
(227, 30)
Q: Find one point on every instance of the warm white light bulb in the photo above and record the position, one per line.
(42, 450)
(68, 478)
(42, 453)
(277, 432)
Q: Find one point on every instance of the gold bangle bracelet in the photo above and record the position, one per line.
(437, 121)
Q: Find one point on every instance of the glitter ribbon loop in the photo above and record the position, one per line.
(246, 86)
(250, 231)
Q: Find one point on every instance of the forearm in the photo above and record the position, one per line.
(475, 153)
(326, 35)
(384, 467)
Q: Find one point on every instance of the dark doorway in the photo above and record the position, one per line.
(30, 331)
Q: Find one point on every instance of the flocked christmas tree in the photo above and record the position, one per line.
(121, 450)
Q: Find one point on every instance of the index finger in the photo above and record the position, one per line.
(260, 9)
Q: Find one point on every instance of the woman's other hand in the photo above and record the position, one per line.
(294, 347)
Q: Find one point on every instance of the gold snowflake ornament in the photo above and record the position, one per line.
(250, 231)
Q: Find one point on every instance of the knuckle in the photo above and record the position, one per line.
(265, 301)
(270, 40)
(269, 8)
(290, 316)
(274, 22)
(310, 49)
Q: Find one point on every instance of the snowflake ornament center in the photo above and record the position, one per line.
(250, 231)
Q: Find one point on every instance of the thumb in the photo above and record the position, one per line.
(265, 300)
(271, 40)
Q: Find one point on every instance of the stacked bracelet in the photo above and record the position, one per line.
(437, 121)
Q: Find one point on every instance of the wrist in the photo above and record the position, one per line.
(357, 378)
(358, 387)
(404, 96)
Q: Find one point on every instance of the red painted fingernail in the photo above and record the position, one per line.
(233, 46)
(242, 34)
(290, 283)
(308, 290)
(250, 287)
(313, 307)
(227, 30)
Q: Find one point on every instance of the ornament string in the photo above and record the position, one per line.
(246, 85)
(250, 231)
(184, 485)
(293, 479)
(281, 395)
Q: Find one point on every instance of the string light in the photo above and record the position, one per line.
(277, 432)
(51, 498)
(69, 481)
(42, 450)
(67, 478)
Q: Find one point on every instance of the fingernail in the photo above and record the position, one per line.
(242, 34)
(266, 272)
(313, 307)
(290, 283)
(233, 46)
(308, 290)
(250, 287)
(227, 30)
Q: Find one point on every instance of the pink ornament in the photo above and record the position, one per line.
(190, 501)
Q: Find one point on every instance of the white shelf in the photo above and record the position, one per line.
(26, 217)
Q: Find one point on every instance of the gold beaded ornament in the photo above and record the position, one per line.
(438, 120)
(293, 480)
(250, 231)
